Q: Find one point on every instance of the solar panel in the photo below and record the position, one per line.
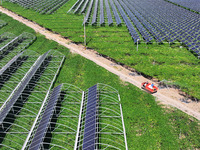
(84, 7)
(117, 18)
(109, 16)
(90, 119)
(101, 12)
(88, 12)
(78, 7)
(5, 109)
(10, 63)
(43, 125)
(94, 18)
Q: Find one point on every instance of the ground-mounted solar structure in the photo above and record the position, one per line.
(13, 71)
(57, 120)
(189, 4)
(20, 108)
(147, 21)
(2, 23)
(15, 44)
(41, 6)
(86, 120)
(101, 123)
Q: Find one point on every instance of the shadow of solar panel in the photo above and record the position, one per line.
(45, 121)
(90, 120)
(8, 106)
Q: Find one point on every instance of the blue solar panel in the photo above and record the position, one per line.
(94, 18)
(109, 16)
(117, 18)
(43, 125)
(101, 12)
(90, 120)
(21, 88)
(88, 12)
(84, 7)
(78, 7)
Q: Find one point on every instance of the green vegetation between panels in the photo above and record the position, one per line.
(170, 62)
(148, 125)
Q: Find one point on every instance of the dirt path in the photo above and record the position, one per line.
(165, 96)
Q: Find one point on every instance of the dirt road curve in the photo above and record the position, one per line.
(165, 96)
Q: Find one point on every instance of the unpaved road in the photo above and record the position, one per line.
(165, 96)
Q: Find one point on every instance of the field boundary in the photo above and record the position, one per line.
(165, 96)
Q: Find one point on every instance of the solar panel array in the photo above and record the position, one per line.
(101, 122)
(114, 10)
(148, 20)
(91, 119)
(41, 6)
(6, 108)
(10, 66)
(46, 118)
(13, 73)
(190, 4)
(58, 118)
(25, 79)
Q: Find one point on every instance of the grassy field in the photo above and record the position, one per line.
(148, 125)
(170, 62)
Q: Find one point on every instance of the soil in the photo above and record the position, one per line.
(166, 96)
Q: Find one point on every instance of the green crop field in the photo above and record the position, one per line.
(148, 125)
(162, 61)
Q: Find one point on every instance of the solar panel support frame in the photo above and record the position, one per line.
(79, 121)
(18, 85)
(125, 140)
(41, 108)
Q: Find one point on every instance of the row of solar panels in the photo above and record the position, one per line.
(19, 95)
(8, 105)
(89, 130)
(170, 21)
(41, 6)
(20, 73)
(159, 20)
(18, 98)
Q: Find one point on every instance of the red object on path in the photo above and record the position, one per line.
(149, 87)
